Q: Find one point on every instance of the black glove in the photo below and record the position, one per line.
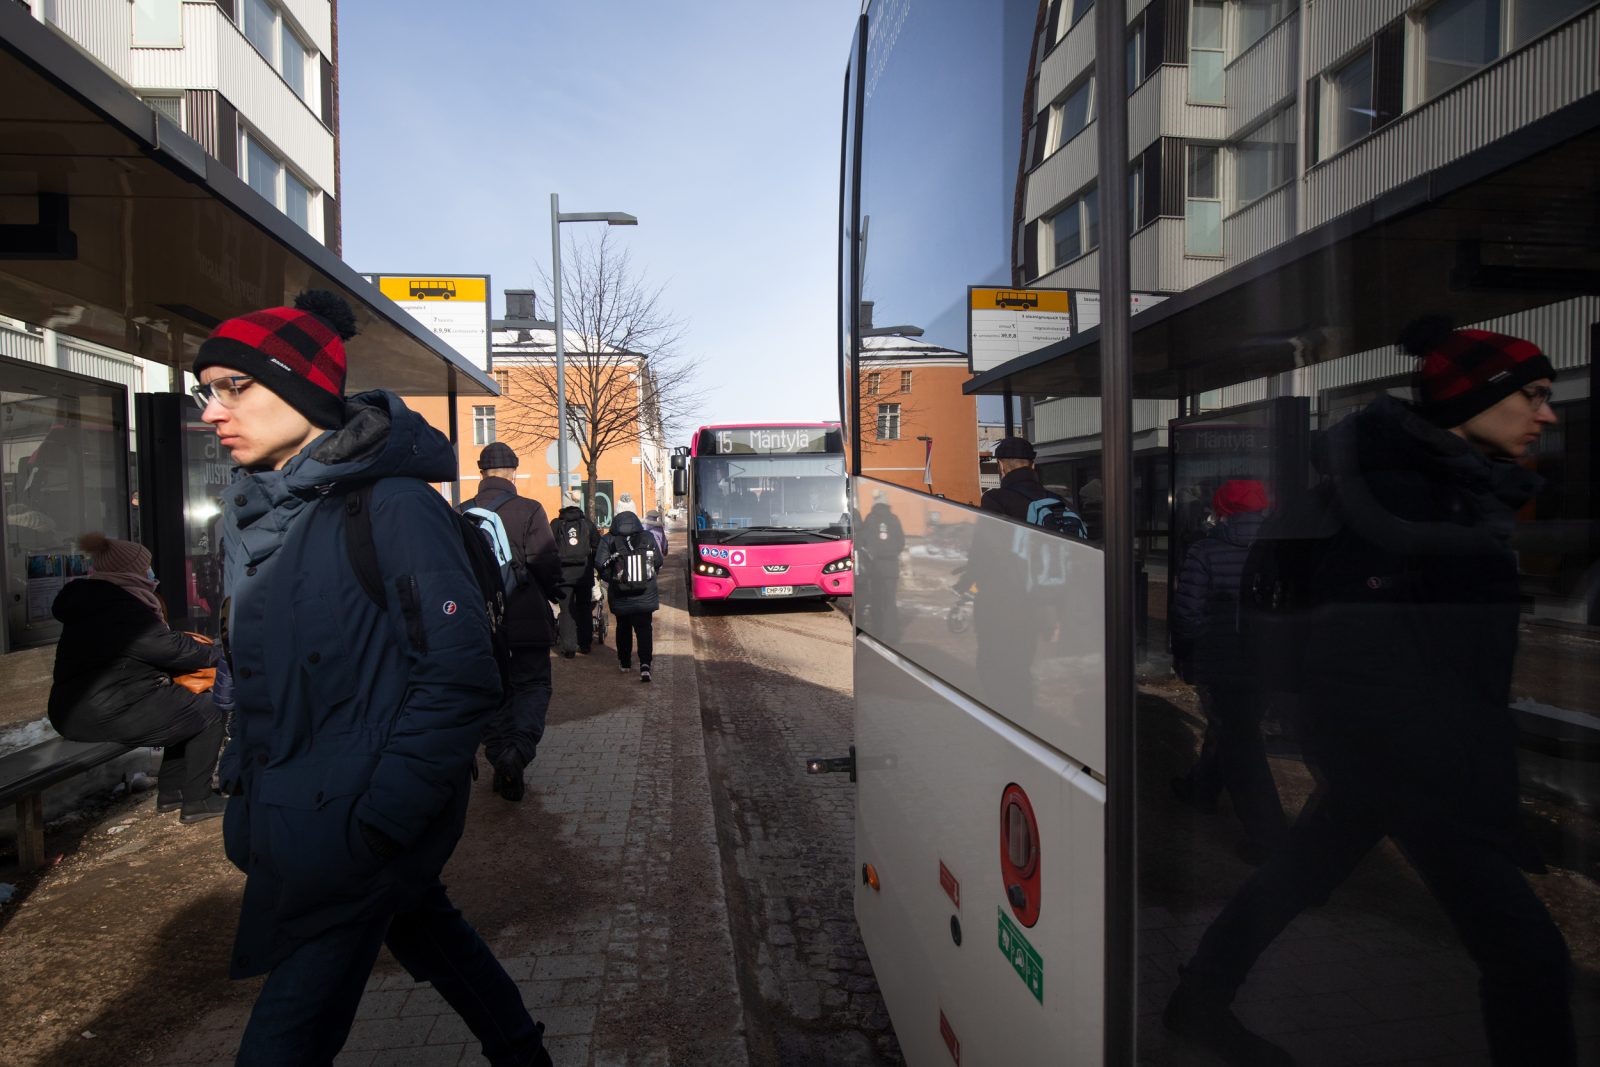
(379, 843)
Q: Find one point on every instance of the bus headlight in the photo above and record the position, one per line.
(839, 565)
(710, 570)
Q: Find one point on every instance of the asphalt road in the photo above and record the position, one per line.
(775, 688)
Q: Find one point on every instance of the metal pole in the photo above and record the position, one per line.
(561, 348)
(1116, 465)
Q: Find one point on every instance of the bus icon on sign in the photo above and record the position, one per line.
(439, 288)
(1009, 298)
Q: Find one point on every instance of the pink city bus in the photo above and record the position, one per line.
(767, 511)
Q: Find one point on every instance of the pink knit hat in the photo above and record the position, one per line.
(109, 554)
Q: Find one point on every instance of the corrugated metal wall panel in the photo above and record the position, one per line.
(200, 111)
(1552, 73)
(103, 28)
(119, 369)
(266, 102)
(1081, 273)
(1063, 174)
(1144, 111)
(1265, 76)
(1265, 224)
(20, 344)
(1065, 418)
(1179, 118)
(1067, 62)
(194, 66)
(1338, 26)
(1144, 258)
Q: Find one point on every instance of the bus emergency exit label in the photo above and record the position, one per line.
(1028, 964)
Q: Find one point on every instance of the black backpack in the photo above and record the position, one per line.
(631, 569)
(363, 553)
(572, 541)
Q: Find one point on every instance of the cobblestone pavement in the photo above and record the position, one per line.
(775, 684)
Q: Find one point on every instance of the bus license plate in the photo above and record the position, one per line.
(777, 590)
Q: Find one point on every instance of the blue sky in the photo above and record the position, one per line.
(716, 123)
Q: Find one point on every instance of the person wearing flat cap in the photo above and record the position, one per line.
(1411, 606)
(514, 733)
(1019, 480)
(356, 715)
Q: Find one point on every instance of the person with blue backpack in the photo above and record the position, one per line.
(1021, 495)
(532, 577)
(358, 704)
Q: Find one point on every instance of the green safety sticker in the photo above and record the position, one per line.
(1025, 960)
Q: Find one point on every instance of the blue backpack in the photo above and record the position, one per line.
(486, 517)
(1050, 513)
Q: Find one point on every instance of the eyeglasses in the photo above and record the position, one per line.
(224, 391)
(1538, 396)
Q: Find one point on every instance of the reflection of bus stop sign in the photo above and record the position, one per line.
(436, 288)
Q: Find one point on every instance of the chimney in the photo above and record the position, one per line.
(520, 304)
(866, 314)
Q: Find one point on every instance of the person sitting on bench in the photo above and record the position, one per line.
(114, 670)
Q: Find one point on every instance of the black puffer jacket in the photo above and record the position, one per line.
(115, 654)
(528, 614)
(1205, 608)
(627, 533)
(1413, 629)
(1017, 490)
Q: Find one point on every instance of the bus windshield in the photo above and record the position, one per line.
(748, 498)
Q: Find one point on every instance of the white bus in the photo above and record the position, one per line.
(1073, 756)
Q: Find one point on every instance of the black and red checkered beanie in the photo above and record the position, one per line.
(297, 352)
(1464, 372)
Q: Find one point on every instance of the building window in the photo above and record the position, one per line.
(278, 185)
(1135, 56)
(483, 424)
(905, 381)
(1253, 18)
(502, 381)
(1348, 110)
(1072, 113)
(874, 382)
(1206, 56)
(1264, 158)
(1075, 229)
(1534, 18)
(279, 44)
(1202, 232)
(1063, 16)
(1459, 38)
(158, 23)
(888, 422)
(1135, 193)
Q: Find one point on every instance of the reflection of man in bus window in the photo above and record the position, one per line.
(1411, 606)
(879, 541)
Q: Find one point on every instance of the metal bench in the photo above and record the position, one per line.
(26, 774)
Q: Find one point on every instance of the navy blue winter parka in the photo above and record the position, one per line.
(347, 712)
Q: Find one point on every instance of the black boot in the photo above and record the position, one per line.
(199, 756)
(1202, 1016)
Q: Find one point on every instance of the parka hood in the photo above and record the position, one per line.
(571, 512)
(626, 522)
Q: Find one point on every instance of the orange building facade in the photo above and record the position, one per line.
(919, 430)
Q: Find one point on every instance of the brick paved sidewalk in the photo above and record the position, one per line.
(640, 970)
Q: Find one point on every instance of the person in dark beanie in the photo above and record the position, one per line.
(1019, 480)
(628, 561)
(1411, 618)
(513, 735)
(115, 662)
(1208, 650)
(576, 543)
(356, 717)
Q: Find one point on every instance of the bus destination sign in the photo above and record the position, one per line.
(769, 440)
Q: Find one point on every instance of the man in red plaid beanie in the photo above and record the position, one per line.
(1402, 593)
(358, 705)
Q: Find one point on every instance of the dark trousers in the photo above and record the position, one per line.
(1522, 959)
(187, 727)
(1234, 757)
(304, 1011)
(630, 626)
(518, 725)
(575, 627)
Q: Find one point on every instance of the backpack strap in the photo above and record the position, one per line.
(359, 544)
(499, 502)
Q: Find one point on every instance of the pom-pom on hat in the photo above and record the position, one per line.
(117, 557)
(1464, 372)
(297, 352)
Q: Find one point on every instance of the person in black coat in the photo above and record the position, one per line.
(576, 542)
(633, 598)
(513, 735)
(114, 667)
(1209, 652)
(1412, 610)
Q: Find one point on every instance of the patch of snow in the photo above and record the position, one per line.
(16, 737)
(7, 891)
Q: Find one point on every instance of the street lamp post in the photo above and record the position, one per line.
(610, 218)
